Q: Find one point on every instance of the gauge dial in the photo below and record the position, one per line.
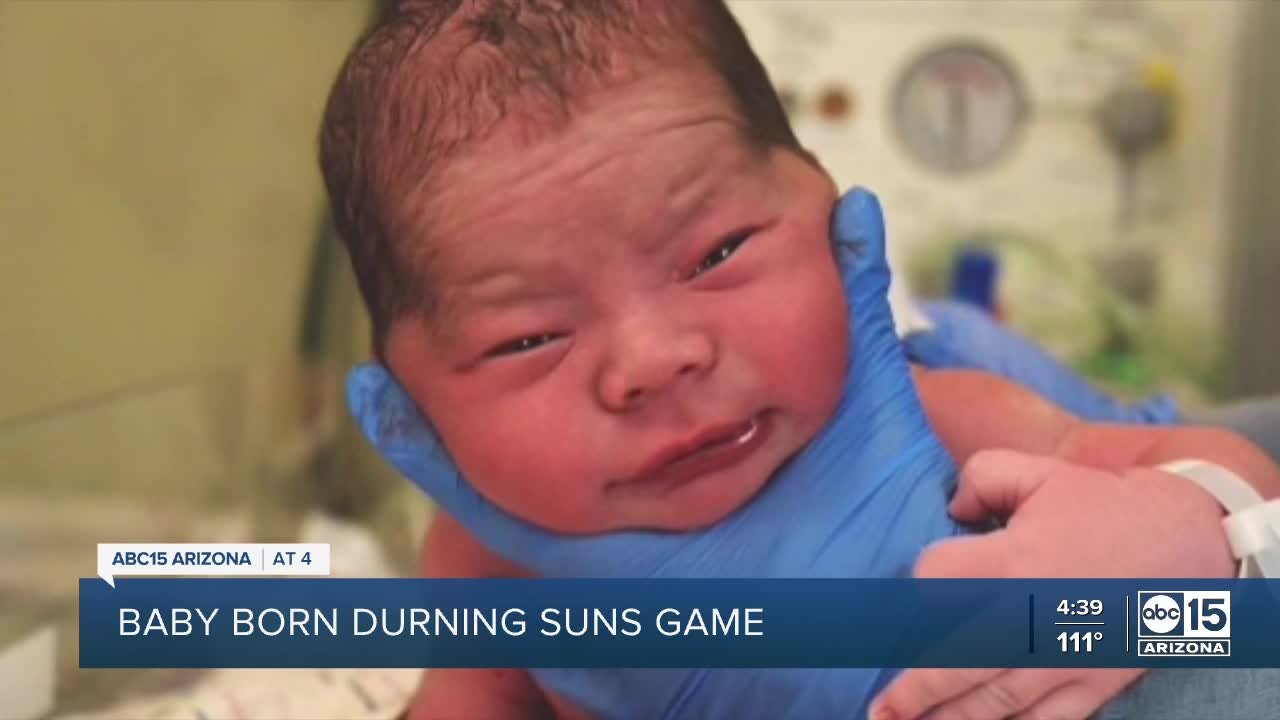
(959, 108)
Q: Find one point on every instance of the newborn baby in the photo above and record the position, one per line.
(598, 259)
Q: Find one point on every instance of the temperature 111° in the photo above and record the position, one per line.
(1074, 642)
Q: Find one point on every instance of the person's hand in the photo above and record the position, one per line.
(835, 510)
(966, 338)
(1045, 499)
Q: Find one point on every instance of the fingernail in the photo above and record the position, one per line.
(881, 712)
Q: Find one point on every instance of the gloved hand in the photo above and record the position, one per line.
(964, 337)
(835, 510)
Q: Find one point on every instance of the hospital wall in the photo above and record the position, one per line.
(161, 218)
(1176, 270)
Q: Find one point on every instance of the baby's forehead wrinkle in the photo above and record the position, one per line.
(474, 256)
(443, 322)
(640, 174)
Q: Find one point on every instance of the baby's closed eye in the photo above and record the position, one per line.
(523, 344)
(722, 252)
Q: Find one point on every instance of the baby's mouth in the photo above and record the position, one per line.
(712, 450)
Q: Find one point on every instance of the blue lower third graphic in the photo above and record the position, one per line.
(327, 622)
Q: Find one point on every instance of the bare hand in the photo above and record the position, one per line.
(1064, 521)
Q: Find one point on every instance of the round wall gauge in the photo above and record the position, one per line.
(959, 107)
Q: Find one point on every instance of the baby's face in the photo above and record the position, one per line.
(638, 319)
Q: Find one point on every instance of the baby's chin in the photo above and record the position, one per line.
(703, 515)
(701, 505)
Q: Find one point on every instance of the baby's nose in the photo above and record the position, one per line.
(645, 363)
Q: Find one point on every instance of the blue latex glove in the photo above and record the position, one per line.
(862, 500)
(964, 337)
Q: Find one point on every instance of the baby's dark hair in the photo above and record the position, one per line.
(435, 75)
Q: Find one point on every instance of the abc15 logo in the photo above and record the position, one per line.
(1200, 614)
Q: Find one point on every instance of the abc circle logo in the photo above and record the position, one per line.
(1184, 623)
(1161, 614)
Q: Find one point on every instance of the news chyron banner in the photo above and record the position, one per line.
(256, 620)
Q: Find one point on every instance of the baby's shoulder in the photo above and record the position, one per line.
(964, 387)
(971, 410)
(451, 551)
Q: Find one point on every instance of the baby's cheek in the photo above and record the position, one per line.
(815, 365)
(535, 469)
(804, 352)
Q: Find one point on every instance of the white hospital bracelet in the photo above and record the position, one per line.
(1252, 524)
